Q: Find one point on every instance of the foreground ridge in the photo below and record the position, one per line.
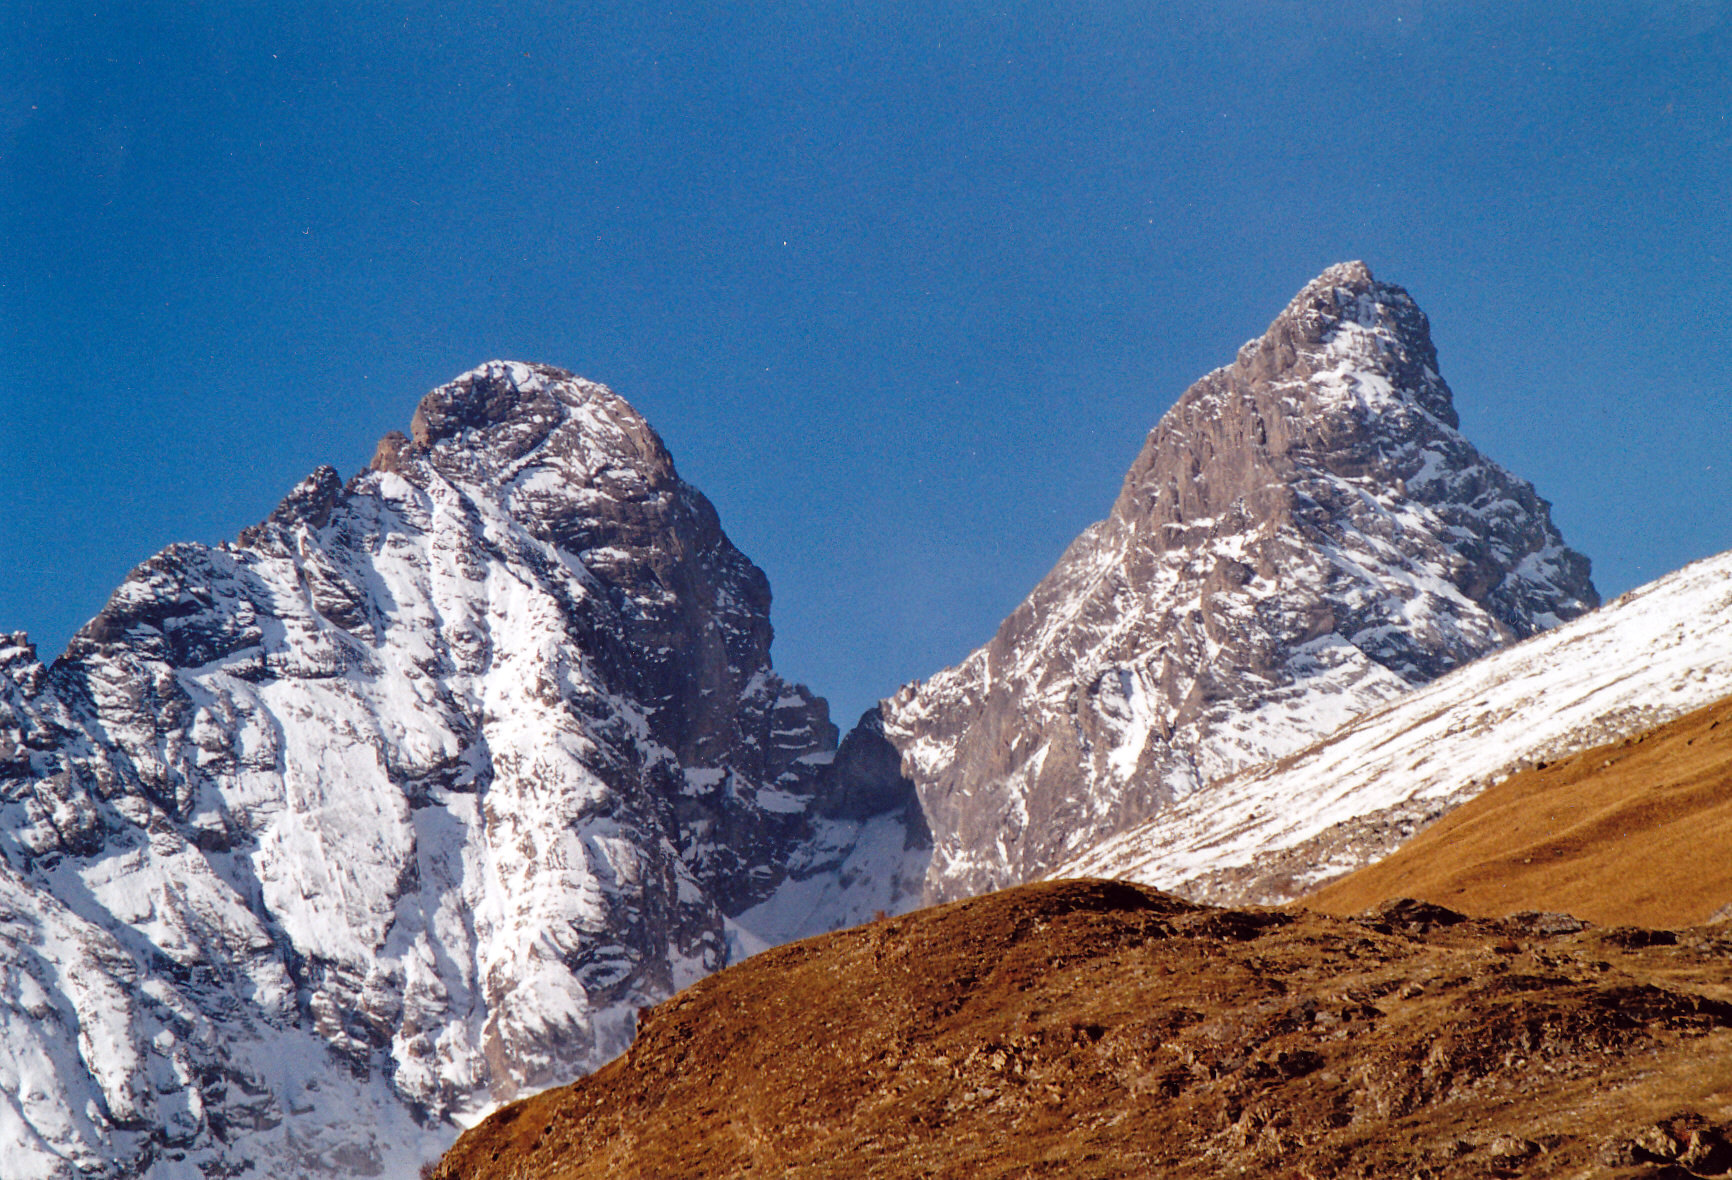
(1100, 1029)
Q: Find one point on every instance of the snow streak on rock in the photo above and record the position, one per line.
(1305, 535)
(1275, 832)
(321, 842)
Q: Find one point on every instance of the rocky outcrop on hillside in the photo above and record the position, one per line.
(407, 801)
(1102, 1029)
(1305, 535)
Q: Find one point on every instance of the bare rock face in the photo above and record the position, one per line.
(1305, 535)
(314, 844)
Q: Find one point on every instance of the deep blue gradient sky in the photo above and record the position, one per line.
(902, 285)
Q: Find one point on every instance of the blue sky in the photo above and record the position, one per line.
(902, 285)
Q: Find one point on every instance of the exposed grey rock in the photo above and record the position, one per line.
(404, 803)
(1305, 535)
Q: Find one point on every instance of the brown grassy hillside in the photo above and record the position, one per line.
(1099, 1029)
(1636, 832)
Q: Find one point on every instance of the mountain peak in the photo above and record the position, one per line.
(1305, 535)
(426, 786)
(1346, 290)
(486, 424)
(1344, 280)
(1345, 322)
(1342, 296)
(490, 395)
(1351, 273)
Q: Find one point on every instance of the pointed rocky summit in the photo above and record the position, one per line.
(1306, 534)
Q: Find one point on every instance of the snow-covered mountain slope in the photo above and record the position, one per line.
(317, 844)
(1275, 832)
(1306, 535)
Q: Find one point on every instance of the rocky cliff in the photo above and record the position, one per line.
(1306, 534)
(320, 842)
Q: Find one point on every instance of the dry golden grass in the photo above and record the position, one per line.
(1639, 832)
(1100, 1029)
